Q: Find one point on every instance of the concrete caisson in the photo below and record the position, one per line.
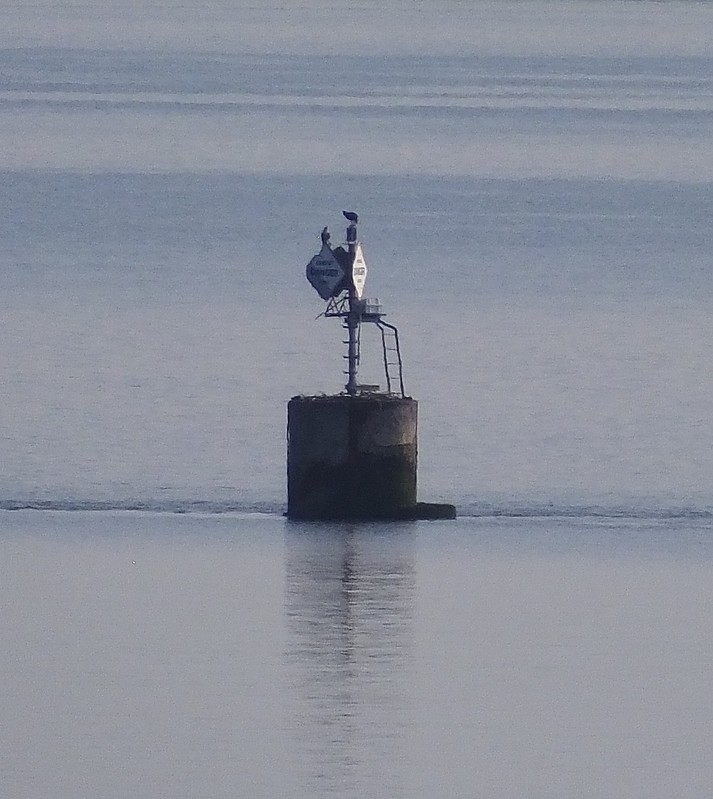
(352, 457)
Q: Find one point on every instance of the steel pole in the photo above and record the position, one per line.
(353, 319)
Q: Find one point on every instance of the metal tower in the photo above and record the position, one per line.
(338, 274)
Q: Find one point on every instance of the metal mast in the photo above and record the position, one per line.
(353, 309)
(338, 275)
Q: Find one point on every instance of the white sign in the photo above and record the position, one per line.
(324, 272)
(359, 271)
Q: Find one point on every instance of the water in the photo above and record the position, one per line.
(164, 655)
(534, 182)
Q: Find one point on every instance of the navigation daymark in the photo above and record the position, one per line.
(324, 272)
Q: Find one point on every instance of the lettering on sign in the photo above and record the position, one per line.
(324, 272)
(359, 271)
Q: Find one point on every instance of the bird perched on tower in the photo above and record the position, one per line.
(351, 216)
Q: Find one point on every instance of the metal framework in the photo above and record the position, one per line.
(338, 275)
(366, 312)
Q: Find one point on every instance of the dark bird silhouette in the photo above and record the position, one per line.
(351, 216)
(325, 236)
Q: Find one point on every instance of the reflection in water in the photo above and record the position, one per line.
(349, 606)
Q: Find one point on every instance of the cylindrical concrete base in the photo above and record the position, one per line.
(351, 457)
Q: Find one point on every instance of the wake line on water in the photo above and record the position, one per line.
(146, 506)
(588, 512)
(466, 510)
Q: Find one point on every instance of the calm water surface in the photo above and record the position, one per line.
(161, 655)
